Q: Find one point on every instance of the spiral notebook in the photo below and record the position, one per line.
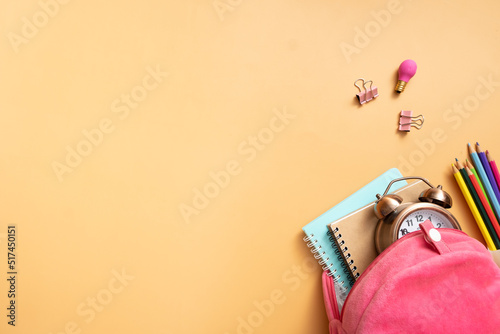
(354, 233)
(320, 240)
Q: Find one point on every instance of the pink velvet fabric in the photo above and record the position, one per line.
(416, 287)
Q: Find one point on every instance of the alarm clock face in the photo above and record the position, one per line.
(410, 223)
(397, 218)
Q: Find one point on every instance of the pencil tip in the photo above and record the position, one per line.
(456, 159)
(477, 144)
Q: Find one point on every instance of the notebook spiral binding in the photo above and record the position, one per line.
(344, 256)
(319, 255)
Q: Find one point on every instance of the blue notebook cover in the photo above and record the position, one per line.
(319, 239)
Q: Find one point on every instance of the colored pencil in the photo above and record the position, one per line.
(462, 171)
(487, 169)
(473, 208)
(473, 170)
(484, 179)
(479, 205)
(492, 223)
(494, 168)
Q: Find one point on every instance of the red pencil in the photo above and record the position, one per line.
(494, 168)
(487, 208)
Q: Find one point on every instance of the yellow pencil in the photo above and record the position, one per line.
(473, 208)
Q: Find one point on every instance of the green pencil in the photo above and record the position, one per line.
(473, 170)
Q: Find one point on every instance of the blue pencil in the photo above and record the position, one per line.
(487, 169)
(486, 183)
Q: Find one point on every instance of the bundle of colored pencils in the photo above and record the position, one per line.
(479, 182)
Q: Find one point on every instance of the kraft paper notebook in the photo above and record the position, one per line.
(320, 240)
(354, 233)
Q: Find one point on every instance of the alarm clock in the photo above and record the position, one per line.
(397, 219)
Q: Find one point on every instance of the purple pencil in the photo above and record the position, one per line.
(489, 172)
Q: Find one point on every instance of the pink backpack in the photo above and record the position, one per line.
(430, 281)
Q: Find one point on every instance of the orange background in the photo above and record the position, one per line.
(116, 237)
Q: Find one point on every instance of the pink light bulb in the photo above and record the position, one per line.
(406, 71)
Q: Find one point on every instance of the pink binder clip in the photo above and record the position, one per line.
(406, 121)
(366, 94)
(361, 96)
(372, 92)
